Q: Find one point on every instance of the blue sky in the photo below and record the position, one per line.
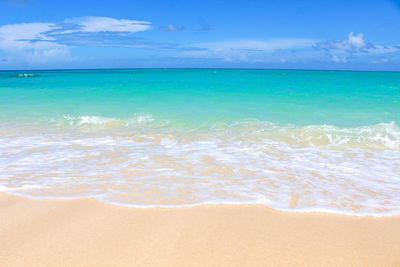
(349, 35)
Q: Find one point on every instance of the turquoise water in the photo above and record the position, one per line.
(206, 97)
(330, 139)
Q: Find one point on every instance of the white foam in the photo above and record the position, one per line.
(85, 120)
(98, 122)
(25, 75)
(244, 163)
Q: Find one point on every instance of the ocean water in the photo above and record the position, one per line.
(288, 139)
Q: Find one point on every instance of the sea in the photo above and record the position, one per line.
(292, 140)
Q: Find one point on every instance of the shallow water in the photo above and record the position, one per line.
(292, 140)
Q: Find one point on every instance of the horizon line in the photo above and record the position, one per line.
(193, 68)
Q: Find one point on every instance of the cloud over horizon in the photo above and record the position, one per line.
(41, 41)
(339, 50)
(166, 33)
(246, 50)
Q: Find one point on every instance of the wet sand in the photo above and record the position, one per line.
(85, 232)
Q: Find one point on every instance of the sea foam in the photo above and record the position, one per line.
(132, 162)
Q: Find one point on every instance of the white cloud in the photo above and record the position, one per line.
(339, 59)
(27, 42)
(256, 45)
(380, 60)
(106, 24)
(17, 36)
(172, 28)
(246, 50)
(42, 42)
(355, 44)
(356, 41)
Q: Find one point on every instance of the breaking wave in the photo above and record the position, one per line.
(25, 75)
(379, 136)
(143, 161)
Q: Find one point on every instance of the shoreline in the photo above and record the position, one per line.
(211, 204)
(86, 232)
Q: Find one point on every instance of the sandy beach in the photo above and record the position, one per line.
(85, 232)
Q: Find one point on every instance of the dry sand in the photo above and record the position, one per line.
(85, 232)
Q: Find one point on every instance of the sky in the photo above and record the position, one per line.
(275, 34)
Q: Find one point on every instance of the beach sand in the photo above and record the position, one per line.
(85, 232)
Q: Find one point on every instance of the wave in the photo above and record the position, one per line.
(25, 75)
(311, 168)
(98, 122)
(379, 136)
(373, 137)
